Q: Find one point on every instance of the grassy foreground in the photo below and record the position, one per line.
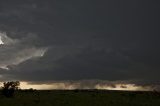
(81, 98)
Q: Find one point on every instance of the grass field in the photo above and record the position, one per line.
(81, 98)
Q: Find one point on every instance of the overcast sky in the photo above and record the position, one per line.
(59, 40)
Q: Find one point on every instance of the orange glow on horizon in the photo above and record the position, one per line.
(72, 86)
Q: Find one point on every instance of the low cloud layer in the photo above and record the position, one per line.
(90, 84)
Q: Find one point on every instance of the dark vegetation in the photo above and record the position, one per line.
(9, 88)
(33, 97)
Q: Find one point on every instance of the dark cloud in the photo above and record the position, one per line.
(16, 51)
(106, 39)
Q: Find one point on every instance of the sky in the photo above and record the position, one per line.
(92, 43)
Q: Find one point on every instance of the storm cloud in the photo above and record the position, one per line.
(14, 51)
(108, 40)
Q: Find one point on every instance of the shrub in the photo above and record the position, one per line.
(9, 88)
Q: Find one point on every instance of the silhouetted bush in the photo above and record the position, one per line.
(9, 88)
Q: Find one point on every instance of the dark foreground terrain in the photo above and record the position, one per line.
(81, 98)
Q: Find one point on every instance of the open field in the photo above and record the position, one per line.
(81, 98)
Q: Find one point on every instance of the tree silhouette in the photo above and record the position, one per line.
(9, 88)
